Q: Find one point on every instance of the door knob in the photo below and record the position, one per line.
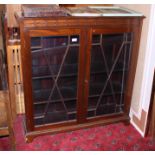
(86, 81)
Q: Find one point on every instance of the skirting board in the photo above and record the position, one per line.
(137, 128)
(139, 124)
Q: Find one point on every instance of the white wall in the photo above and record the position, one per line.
(11, 9)
(149, 64)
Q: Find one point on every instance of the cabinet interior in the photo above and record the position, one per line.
(55, 61)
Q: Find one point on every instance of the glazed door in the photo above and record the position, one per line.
(109, 65)
(55, 71)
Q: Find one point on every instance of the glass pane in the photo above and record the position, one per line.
(110, 56)
(54, 78)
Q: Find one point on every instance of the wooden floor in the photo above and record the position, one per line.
(3, 115)
(6, 122)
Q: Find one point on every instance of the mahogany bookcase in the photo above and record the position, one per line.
(78, 72)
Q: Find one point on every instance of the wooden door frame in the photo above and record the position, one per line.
(30, 126)
(131, 71)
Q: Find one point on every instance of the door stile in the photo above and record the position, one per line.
(133, 65)
(87, 72)
(27, 80)
(81, 103)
